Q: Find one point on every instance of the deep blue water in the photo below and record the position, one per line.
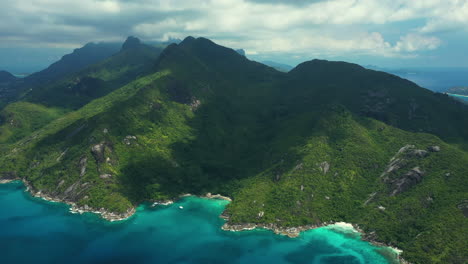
(36, 231)
(435, 79)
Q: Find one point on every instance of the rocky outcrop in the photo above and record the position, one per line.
(398, 176)
(409, 179)
(82, 165)
(325, 167)
(194, 104)
(75, 208)
(98, 152)
(217, 196)
(434, 148)
(129, 139)
(286, 231)
(105, 176)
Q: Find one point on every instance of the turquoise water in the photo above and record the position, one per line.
(36, 231)
(460, 97)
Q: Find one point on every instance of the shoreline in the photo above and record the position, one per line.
(103, 213)
(294, 232)
(457, 95)
(291, 232)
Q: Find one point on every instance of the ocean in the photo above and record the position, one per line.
(435, 79)
(36, 231)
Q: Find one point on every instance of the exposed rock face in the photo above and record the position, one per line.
(324, 166)
(60, 183)
(98, 152)
(82, 164)
(62, 154)
(398, 176)
(409, 179)
(72, 188)
(105, 176)
(128, 139)
(195, 104)
(434, 148)
(286, 231)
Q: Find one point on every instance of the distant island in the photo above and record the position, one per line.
(461, 90)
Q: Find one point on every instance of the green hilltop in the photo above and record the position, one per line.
(327, 141)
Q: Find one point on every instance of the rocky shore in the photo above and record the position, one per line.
(295, 232)
(105, 214)
(3, 181)
(286, 231)
(74, 208)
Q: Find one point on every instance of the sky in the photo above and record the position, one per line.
(385, 33)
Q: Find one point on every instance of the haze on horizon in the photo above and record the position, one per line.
(386, 33)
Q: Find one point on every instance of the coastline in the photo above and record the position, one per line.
(457, 95)
(103, 213)
(294, 232)
(291, 232)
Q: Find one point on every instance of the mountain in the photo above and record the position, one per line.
(77, 60)
(458, 90)
(6, 77)
(327, 141)
(132, 61)
(75, 90)
(279, 66)
(68, 64)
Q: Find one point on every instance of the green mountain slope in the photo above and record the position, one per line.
(74, 90)
(325, 142)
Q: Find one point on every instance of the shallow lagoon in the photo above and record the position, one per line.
(36, 231)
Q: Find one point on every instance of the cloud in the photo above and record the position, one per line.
(259, 26)
(415, 42)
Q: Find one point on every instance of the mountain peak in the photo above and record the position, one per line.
(131, 42)
(187, 40)
(325, 65)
